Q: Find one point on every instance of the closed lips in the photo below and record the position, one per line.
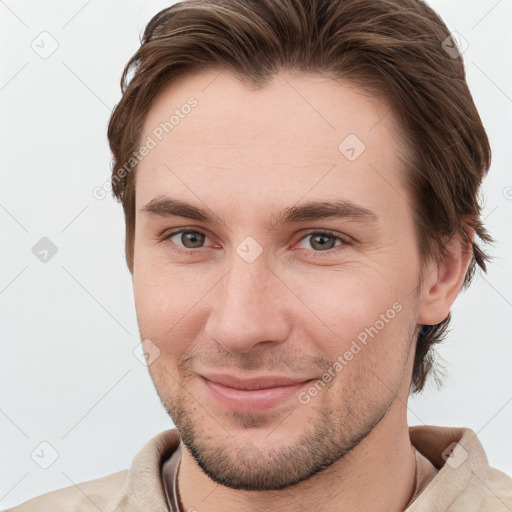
(263, 382)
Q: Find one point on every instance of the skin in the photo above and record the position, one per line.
(246, 155)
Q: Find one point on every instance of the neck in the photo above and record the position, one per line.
(377, 475)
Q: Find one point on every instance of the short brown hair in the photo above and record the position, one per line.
(397, 48)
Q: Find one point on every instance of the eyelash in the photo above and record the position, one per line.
(333, 234)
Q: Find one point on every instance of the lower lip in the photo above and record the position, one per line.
(252, 400)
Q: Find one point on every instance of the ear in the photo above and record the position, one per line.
(442, 282)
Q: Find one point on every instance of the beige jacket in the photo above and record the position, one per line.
(464, 483)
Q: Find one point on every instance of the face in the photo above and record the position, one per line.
(275, 271)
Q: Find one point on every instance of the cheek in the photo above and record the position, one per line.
(343, 302)
(166, 299)
(362, 325)
(369, 355)
(329, 307)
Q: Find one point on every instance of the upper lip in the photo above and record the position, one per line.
(262, 382)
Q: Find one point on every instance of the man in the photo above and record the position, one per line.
(299, 180)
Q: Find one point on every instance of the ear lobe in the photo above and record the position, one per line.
(444, 280)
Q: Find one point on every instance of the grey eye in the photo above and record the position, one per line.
(190, 239)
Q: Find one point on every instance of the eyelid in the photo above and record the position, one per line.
(167, 235)
(334, 234)
(345, 239)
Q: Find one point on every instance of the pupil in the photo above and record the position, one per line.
(193, 238)
(325, 237)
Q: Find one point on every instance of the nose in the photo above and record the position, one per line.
(248, 307)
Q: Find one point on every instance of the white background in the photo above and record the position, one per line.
(68, 372)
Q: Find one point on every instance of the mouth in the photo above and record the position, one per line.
(252, 395)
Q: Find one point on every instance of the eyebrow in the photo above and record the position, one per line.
(166, 206)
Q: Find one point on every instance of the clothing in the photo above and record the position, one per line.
(464, 483)
(425, 472)
(172, 465)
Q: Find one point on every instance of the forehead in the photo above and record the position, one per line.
(299, 135)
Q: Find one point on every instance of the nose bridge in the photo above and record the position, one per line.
(246, 308)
